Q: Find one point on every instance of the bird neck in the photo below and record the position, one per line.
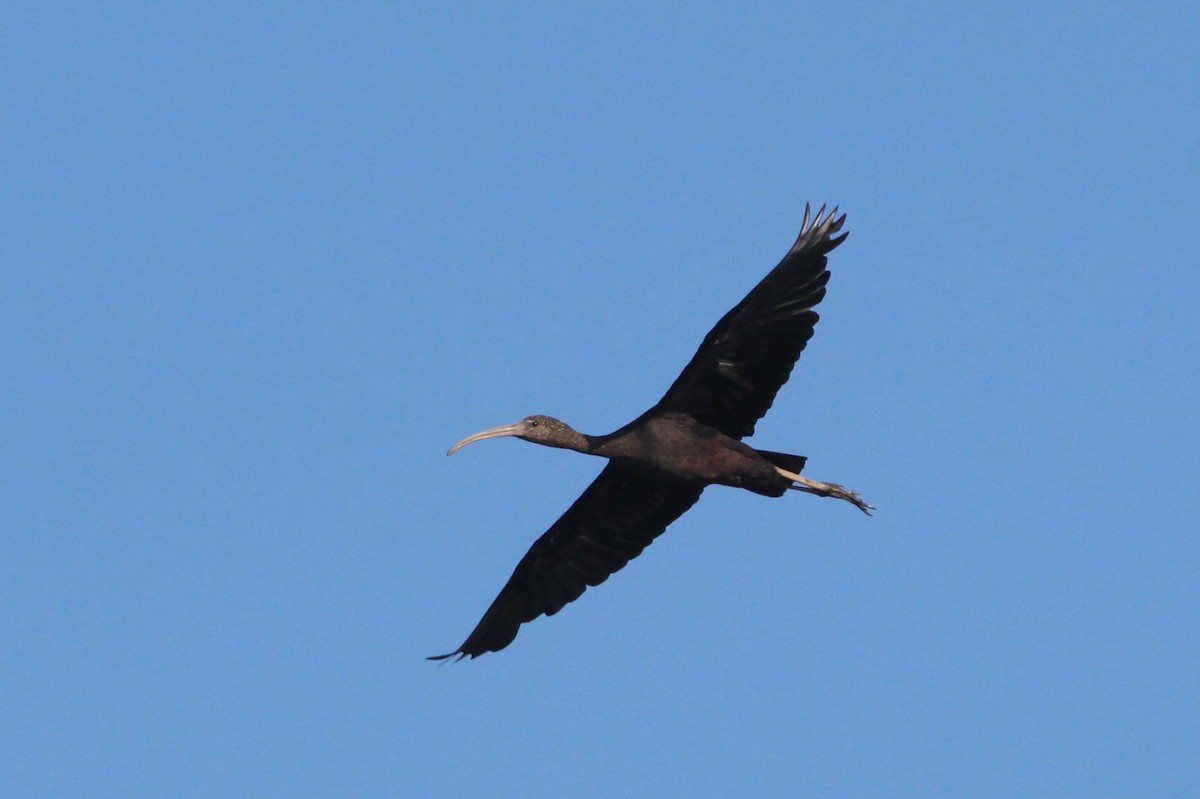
(609, 446)
(574, 440)
(586, 444)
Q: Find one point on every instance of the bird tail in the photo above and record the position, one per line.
(793, 463)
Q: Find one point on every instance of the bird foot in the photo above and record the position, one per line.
(841, 492)
(827, 490)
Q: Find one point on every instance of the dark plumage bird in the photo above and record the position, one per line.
(659, 463)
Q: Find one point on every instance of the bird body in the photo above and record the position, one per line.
(676, 446)
(661, 462)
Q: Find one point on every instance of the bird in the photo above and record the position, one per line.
(659, 463)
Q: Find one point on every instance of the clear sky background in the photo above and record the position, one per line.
(262, 266)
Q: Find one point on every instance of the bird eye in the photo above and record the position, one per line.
(533, 423)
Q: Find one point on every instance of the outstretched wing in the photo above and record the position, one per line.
(732, 379)
(610, 524)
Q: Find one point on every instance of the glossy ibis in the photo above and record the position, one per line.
(659, 463)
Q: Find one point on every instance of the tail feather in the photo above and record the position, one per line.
(793, 463)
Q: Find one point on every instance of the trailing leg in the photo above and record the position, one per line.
(825, 490)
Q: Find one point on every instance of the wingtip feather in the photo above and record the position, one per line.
(820, 228)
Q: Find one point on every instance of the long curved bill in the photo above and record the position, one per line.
(495, 432)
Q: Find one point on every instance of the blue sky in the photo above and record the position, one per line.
(262, 266)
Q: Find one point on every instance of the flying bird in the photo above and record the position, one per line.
(659, 463)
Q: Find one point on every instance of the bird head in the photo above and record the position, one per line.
(539, 429)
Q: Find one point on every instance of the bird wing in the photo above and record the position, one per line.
(732, 379)
(619, 514)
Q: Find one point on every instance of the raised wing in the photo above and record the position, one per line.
(610, 524)
(732, 379)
